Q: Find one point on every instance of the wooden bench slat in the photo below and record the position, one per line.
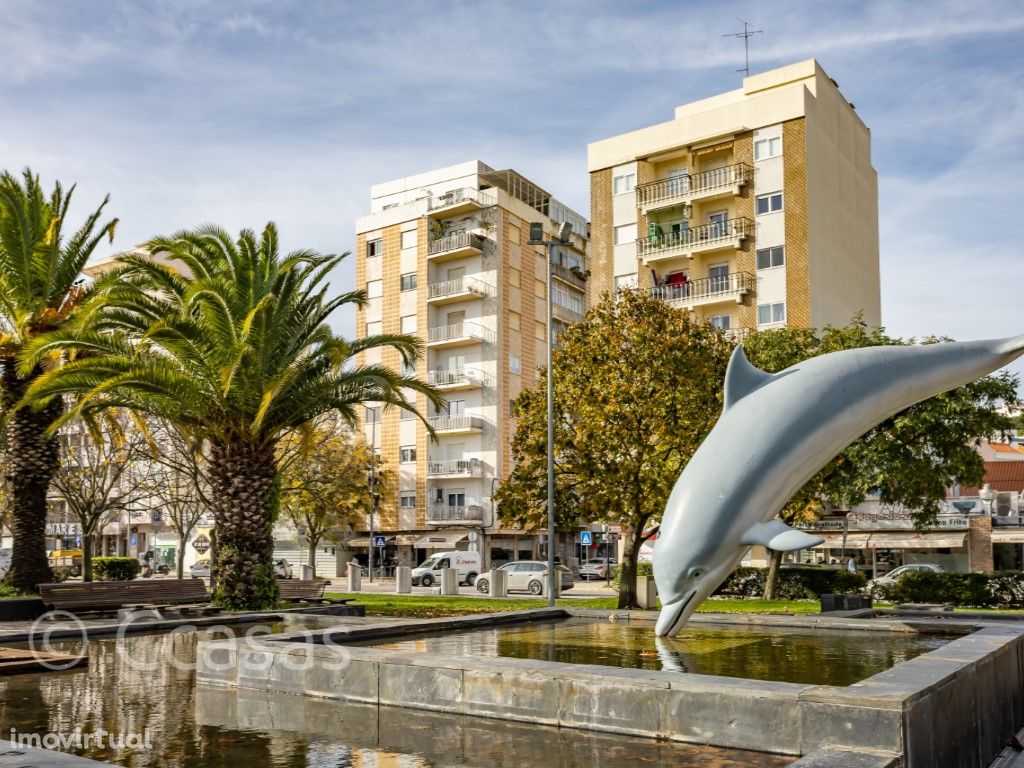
(100, 595)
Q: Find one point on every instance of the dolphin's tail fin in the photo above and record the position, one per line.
(1014, 345)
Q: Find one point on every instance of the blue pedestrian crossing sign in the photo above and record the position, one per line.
(586, 538)
(379, 541)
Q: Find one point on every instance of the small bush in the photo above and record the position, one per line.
(115, 568)
(793, 583)
(1002, 589)
(642, 569)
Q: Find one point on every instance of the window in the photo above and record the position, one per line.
(409, 324)
(374, 248)
(407, 454)
(514, 276)
(769, 203)
(515, 364)
(373, 414)
(625, 234)
(771, 313)
(625, 282)
(563, 297)
(513, 321)
(515, 235)
(721, 321)
(539, 289)
(408, 281)
(407, 499)
(409, 239)
(771, 257)
(374, 327)
(540, 331)
(624, 183)
(765, 148)
(374, 289)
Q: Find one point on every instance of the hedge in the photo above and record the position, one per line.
(1002, 589)
(115, 568)
(793, 583)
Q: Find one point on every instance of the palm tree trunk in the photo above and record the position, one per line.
(245, 490)
(31, 460)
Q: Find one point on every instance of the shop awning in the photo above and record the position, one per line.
(1015, 536)
(363, 542)
(441, 540)
(406, 539)
(932, 540)
(835, 540)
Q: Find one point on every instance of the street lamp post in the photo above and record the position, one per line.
(374, 496)
(537, 238)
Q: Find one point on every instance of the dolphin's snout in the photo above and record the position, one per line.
(672, 616)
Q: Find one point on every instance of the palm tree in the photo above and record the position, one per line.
(227, 340)
(39, 270)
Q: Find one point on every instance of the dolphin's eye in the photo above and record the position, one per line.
(696, 572)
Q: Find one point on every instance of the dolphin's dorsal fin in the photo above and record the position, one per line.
(776, 535)
(741, 378)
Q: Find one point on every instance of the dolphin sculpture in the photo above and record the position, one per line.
(776, 431)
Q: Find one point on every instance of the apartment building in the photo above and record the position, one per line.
(752, 209)
(443, 255)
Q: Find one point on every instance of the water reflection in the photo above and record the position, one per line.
(811, 656)
(153, 689)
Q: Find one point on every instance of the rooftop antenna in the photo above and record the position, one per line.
(746, 34)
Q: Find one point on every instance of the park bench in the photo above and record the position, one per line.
(186, 595)
(307, 591)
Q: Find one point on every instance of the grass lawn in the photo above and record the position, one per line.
(428, 606)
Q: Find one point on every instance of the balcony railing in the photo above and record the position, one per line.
(441, 515)
(574, 277)
(707, 290)
(463, 241)
(458, 331)
(682, 189)
(462, 377)
(565, 314)
(718, 234)
(461, 199)
(736, 335)
(455, 468)
(455, 287)
(456, 423)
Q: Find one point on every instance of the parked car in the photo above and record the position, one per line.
(527, 576)
(897, 573)
(429, 571)
(200, 569)
(595, 569)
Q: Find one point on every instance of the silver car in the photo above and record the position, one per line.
(898, 573)
(526, 576)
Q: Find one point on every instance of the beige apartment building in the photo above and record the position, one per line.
(752, 209)
(443, 255)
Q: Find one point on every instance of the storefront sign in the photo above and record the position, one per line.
(201, 544)
(64, 529)
(884, 521)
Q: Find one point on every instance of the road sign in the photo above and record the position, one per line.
(380, 541)
(135, 541)
(586, 538)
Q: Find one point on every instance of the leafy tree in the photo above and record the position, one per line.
(101, 476)
(326, 486)
(39, 266)
(228, 340)
(638, 386)
(910, 459)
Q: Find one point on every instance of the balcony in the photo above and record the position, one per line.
(454, 381)
(564, 314)
(458, 335)
(737, 335)
(688, 242)
(683, 190)
(471, 515)
(709, 290)
(455, 468)
(459, 201)
(457, 246)
(456, 425)
(459, 289)
(569, 276)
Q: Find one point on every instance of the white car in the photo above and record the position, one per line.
(526, 576)
(595, 569)
(200, 569)
(897, 573)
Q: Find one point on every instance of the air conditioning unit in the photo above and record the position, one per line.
(1006, 503)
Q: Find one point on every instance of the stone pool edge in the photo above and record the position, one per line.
(946, 707)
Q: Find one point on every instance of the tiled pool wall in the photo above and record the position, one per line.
(953, 706)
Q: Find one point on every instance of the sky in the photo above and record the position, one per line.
(236, 113)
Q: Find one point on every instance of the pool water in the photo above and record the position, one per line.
(810, 656)
(153, 689)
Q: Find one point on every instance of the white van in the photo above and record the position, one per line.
(429, 571)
